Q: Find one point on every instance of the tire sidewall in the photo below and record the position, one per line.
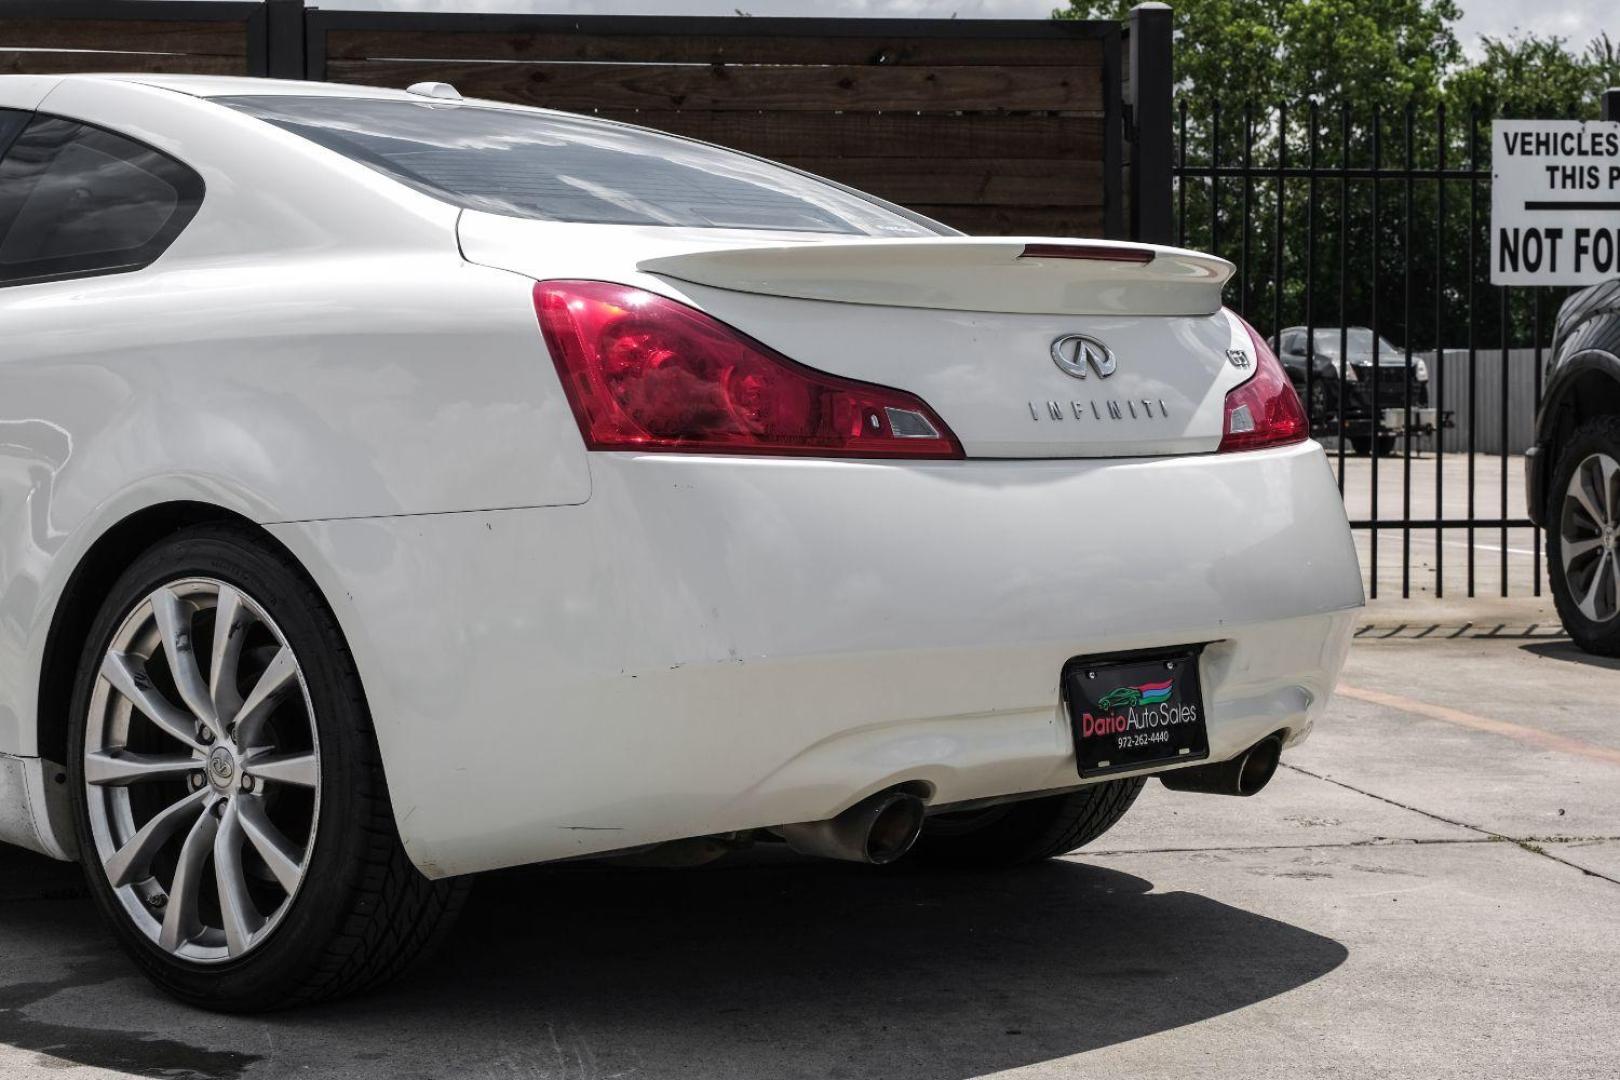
(1601, 435)
(254, 566)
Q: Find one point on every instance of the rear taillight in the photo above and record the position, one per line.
(1264, 410)
(643, 372)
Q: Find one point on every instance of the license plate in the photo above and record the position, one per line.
(1136, 710)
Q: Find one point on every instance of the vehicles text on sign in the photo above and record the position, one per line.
(1555, 202)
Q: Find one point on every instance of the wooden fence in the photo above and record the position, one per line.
(993, 126)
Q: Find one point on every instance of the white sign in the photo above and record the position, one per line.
(1555, 202)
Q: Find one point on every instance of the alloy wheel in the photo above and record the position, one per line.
(202, 770)
(1589, 532)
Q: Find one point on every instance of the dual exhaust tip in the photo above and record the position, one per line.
(881, 828)
(1244, 775)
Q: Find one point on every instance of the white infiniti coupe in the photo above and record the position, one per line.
(395, 487)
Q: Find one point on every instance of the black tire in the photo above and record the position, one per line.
(1363, 444)
(363, 913)
(1027, 831)
(1600, 435)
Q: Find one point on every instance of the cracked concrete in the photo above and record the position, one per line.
(1412, 897)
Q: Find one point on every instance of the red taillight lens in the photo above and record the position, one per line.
(643, 372)
(1264, 410)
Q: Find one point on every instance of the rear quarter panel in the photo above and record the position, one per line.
(312, 347)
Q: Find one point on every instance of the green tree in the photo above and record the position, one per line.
(1383, 79)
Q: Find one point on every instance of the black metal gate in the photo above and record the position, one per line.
(1380, 223)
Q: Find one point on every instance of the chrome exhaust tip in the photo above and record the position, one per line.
(1244, 775)
(877, 830)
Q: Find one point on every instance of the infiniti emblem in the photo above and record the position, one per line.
(1072, 352)
(221, 764)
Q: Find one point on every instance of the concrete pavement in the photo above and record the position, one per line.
(1430, 888)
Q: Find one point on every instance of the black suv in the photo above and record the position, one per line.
(1362, 420)
(1572, 472)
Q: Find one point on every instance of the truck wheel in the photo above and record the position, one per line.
(228, 794)
(1026, 831)
(1583, 536)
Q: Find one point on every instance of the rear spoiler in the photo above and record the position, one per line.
(1019, 275)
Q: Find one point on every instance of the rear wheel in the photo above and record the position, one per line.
(1583, 536)
(1026, 831)
(228, 794)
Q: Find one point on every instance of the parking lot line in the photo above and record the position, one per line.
(1547, 740)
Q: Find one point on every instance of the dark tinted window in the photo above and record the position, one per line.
(544, 165)
(11, 122)
(78, 200)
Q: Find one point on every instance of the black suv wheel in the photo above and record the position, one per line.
(1583, 535)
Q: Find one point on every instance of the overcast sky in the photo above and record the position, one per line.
(1578, 20)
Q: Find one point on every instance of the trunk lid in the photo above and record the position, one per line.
(1025, 347)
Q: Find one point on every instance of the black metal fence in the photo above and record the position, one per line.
(1341, 224)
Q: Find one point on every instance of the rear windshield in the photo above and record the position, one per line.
(562, 168)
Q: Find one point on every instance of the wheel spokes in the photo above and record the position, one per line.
(279, 677)
(123, 767)
(173, 616)
(236, 907)
(1606, 470)
(231, 620)
(284, 860)
(1575, 550)
(1593, 596)
(300, 770)
(127, 675)
(249, 749)
(1584, 492)
(180, 920)
(133, 861)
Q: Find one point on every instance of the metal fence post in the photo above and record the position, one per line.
(284, 39)
(1151, 85)
(1611, 103)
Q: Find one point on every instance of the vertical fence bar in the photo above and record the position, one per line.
(1374, 428)
(1310, 278)
(1277, 242)
(1215, 178)
(1181, 182)
(1406, 377)
(1473, 367)
(1248, 208)
(1506, 332)
(1151, 31)
(1439, 376)
(1344, 275)
(1535, 534)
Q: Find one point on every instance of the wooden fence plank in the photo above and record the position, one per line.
(713, 48)
(127, 35)
(898, 135)
(19, 62)
(1059, 221)
(577, 86)
(961, 181)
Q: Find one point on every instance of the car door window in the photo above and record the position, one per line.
(77, 200)
(1293, 344)
(12, 121)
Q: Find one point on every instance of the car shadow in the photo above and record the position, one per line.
(1564, 649)
(763, 967)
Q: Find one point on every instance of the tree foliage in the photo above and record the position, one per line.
(1387, 82)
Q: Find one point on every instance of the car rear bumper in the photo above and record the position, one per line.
(712, 644)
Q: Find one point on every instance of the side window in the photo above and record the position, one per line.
(11, 122)
(76, 200)
(1293, 343)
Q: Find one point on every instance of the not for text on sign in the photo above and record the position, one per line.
(1555, 202)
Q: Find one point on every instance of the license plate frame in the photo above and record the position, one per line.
(1115, 730)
